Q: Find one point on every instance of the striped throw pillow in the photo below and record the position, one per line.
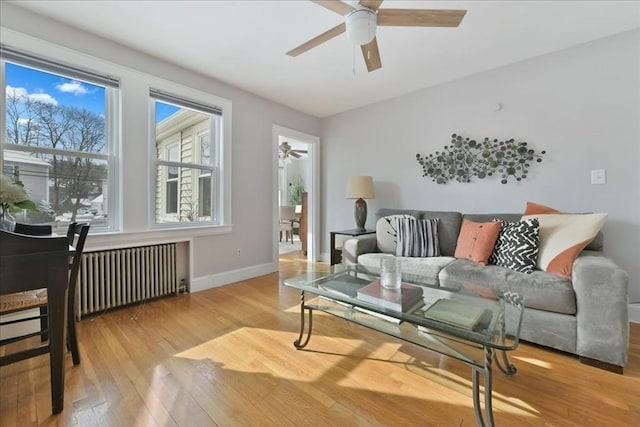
(417, 237)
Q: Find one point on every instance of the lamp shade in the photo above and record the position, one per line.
(360, 187)
(361, 26)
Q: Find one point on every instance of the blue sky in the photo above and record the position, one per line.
(58, 90)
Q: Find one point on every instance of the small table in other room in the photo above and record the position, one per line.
(336, 253)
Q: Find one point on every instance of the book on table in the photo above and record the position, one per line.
(402, 300)
(458, 313)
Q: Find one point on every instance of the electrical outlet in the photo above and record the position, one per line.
(598, 176)
(239, 252)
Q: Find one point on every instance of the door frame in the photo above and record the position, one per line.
(312, 187)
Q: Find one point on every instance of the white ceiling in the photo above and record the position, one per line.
(243, 43)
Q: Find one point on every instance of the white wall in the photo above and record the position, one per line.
(581, 105)
(215, 259)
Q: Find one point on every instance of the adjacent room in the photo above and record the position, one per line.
(305, 213)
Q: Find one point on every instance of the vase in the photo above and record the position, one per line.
(7, 221)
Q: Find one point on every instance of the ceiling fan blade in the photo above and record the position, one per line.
(294, 154)
(327, 35)
(301, 151)
(371, 4)
(335, 6)
(420, 17)
(371, 55)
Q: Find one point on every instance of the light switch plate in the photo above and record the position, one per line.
(598, 176)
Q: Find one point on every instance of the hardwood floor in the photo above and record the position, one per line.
(224, 357)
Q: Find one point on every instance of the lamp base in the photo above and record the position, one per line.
(360, 213)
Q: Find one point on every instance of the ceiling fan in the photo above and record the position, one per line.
(287, 151)
(360, 24)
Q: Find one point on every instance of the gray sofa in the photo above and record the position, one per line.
(586, 315)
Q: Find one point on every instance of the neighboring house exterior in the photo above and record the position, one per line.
(184, 193)
(32, 172)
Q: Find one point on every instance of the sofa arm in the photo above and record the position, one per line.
(356, 246)
(602, 298)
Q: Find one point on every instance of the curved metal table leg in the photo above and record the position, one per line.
(488, 402)
(505, 366)
(476, 397)
(298, 344)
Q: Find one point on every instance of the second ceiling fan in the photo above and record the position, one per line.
(361, 21)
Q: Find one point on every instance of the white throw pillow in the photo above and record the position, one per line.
(386, 233)
(563, 237)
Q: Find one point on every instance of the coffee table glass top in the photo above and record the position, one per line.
(490, 318)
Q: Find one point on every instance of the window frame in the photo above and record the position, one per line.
(220, 140)
(81, 73)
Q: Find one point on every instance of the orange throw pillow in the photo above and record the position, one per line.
(476, 240)
(536, 209)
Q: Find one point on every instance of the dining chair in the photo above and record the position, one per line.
(33, 230)
(287, 217)
(30, 263)
(37, 298)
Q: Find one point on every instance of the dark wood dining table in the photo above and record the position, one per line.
(36, 262)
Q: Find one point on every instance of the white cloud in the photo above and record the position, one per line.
(16, 92)
(23, 94)
(73, 87)
(44, 98)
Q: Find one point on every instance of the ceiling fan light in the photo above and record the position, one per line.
(361, 26)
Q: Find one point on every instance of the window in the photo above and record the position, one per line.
(187, 143)
(59, 140)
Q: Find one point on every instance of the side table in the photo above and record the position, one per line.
(336, 254)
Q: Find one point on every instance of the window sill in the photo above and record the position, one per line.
(114, 240)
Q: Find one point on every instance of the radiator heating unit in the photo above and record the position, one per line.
(118, 277)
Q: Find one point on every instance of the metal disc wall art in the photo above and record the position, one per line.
(465, 158)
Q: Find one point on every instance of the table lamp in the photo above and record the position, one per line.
(360, 188)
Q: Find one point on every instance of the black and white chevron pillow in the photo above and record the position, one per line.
(517, 246)
(417, 237)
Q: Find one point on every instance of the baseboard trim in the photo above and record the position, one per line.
(232, 276)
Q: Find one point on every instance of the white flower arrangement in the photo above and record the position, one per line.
(13, 197)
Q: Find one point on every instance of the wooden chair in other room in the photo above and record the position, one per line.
(287, 216)
(30, 263)
(37, 298)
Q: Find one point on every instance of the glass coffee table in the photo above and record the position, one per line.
(472, 324)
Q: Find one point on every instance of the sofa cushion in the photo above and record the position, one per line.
(563, 237)
(417, 237)
(386, 232)
(476, 240)
(517, 246)
(541, 290)
(428, 268)
(448, 229)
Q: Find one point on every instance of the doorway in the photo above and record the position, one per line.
(295, 183)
